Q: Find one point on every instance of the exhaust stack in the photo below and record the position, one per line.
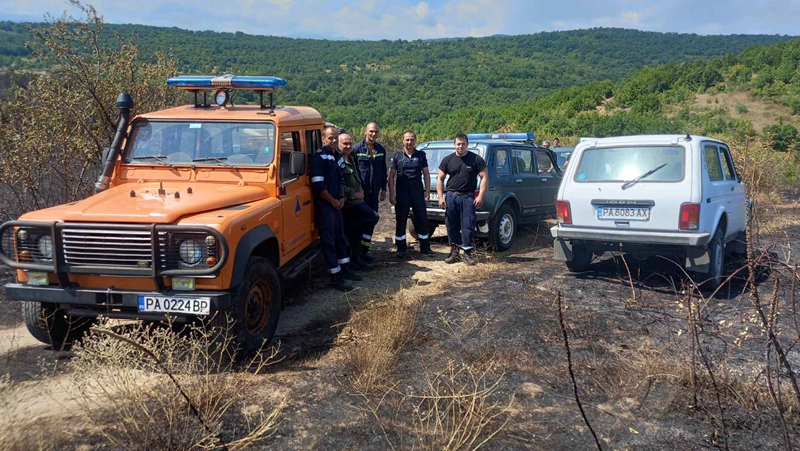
(125, 105)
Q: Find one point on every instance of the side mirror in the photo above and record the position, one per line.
(298, 163)
(739, 177)
(106, 151)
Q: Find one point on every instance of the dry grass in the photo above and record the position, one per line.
(457, 409)
(380, 332)
(192, 397)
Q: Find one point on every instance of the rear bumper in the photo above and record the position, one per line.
(628, 236)
(438, 214)
(122, 304)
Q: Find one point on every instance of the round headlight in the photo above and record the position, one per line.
(191, 251)
(221, 97)
(23, 235)
(46, 246)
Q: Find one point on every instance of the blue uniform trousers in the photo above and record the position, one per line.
(371, 199)
(361, 221)
(460, 219)
(331, 231)
(410, 195)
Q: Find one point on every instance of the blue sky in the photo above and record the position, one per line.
(409, 19)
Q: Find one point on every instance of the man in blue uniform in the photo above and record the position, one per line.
(327, 181)
(462, 168)
(371, 157)
(409, 187)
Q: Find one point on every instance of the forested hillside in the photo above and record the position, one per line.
(402, 83)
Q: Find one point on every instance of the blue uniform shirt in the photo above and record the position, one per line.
(371, 167)
(327, 172)
(409, 168)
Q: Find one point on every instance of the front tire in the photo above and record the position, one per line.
(503, 228)
(581, 259)
(50, 325)
(255, 306)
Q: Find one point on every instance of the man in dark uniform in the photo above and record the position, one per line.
(410, 189)
(371, 157)
(462, 168)
(327, 181)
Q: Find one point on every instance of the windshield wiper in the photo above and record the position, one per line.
(159, 158)
(630, 183)
(217, 159)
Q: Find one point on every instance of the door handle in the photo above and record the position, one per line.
(731, 189)
(544, 180)
(519, 180)
(307, 201)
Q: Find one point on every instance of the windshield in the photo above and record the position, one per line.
(435, 156)
(622, 164)
(207, 143)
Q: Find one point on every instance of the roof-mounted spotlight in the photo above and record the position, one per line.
(222, 97)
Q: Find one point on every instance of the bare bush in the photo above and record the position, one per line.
(457, 409)
(147, 388)
(53, 131)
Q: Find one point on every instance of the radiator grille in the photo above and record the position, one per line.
(97, 247)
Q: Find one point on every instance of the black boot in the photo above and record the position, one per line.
(364, 257)
(453, 257)
(350, 275)
(359, 263)
(340, 283)
(469, 257)
(425, 247)
(401, 248)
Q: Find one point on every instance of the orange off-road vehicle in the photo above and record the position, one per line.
(201, 211)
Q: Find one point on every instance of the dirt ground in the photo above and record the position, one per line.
(628, 339)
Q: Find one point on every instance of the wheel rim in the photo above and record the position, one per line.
(506, 228)
(257, 309)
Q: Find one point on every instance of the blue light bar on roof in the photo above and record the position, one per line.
(502, 136)
(229, 81)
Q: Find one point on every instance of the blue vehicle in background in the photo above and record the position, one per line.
(523, 182)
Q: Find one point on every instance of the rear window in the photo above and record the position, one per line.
(621, 164)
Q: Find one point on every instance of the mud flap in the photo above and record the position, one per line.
(562, 250)
(698, 259)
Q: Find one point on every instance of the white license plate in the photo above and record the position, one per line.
(624, 213)
(434, 196)
(186, 306)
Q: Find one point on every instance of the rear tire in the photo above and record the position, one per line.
(255, 307)
(581, 259)
(50, 325)
(503, 228)
(716, 268)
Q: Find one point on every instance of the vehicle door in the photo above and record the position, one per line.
(501, 178)
(720, 188)
(295, 192)
(737, 205)
(549, 179)
(526, 180)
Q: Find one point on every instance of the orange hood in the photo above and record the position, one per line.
(148, 206)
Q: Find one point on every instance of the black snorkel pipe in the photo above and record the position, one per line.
(125, 105)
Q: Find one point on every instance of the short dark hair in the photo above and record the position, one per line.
(329, 128)
(409, 131)
(461, 136)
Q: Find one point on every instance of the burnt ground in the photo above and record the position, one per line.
(629, 340)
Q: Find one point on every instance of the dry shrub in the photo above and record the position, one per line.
(457, 409)
(380, 332)
(137, 403)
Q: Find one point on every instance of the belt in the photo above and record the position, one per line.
(462, 193)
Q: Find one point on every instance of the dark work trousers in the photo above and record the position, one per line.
(460, 219)
(331, 232)
(371, 199)
(361, 221)
(410, 194)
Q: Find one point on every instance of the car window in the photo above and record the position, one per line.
(502, 162)
(290, 142)
(523, 161)
(544, 164)
(621, 164)
(712, 163)
(215, 143)
(727, 164)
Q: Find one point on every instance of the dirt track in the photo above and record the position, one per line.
(500, 316)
